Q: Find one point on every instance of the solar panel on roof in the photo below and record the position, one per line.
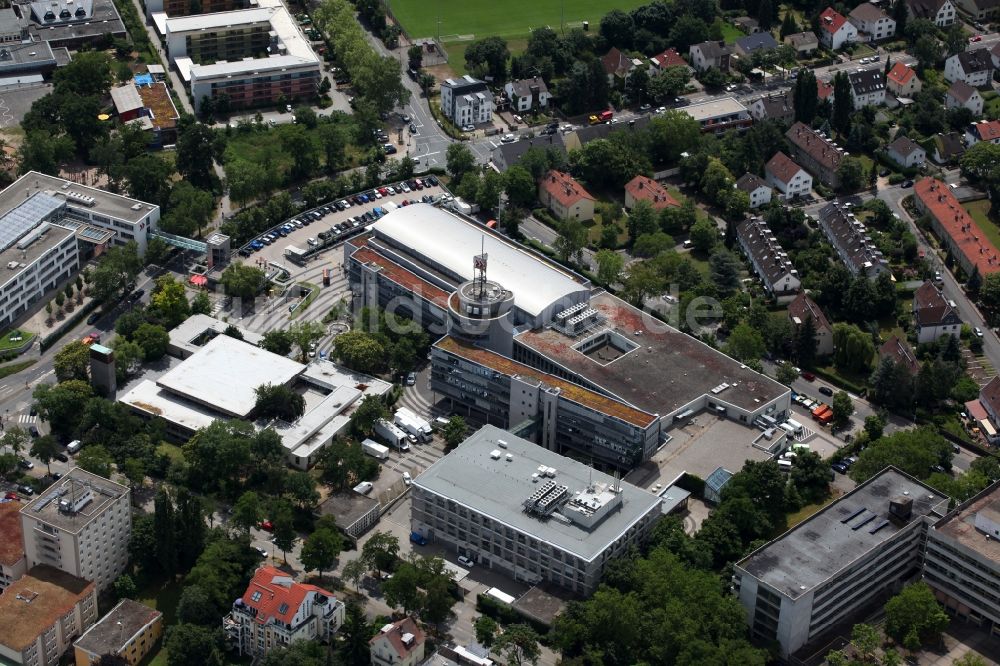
(25, 217)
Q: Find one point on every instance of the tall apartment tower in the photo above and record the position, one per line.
(81, 525)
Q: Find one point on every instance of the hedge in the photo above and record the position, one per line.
(507, 615)
(68, 325)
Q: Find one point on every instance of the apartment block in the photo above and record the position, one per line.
(42, 613)
(850, 555)
(81, 525)
(528, 512)
(275, 611)
(769, 260)
(816, 152)
(849, 238)
(955, 228)
(13, 563)
(129, 630)
(466, 101)
(189, 7)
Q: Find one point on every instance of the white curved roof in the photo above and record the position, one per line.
(452, 242)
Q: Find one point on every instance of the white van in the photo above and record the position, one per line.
(364, 487)
(74, 446)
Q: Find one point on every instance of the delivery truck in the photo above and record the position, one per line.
(392, 434)
(413, 424)
(296, 254)
(374, 449)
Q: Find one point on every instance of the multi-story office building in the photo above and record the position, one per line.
(852, 553)
(962, 560)
(81, 525)
(129, 630)
(533, 345)
(209, 38)
(13, 563)
(466, 101)
(537, 516)
(42, 613)
(189, 7)
(849, 237)
(276, 611)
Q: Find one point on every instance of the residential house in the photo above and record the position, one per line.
(527, 94)
(802, 309)
(961, 94)
(779, 106)
(618, 66)
(129, 630)
(934, 315)
(13, 563)
(566, 198)
(988, 130)
(824, 90)
(900, 353)
(770, 262)
(400, 643)
(749, 26)
(814, 151)
(787, 177)
(804, 43)
(642, 188)
(41, 613)
(669, 58)
(902, 81)
(973, 67)
(835, 30)
(872, 22)
(759, 41)
(980, 10)
(948, 147)
(867, 88)
(710, 54)
(995, 55)
(989, 401)
(940, 12)
(466, 101)
(756, 189)
(848, 236)
(906, 152)
(276, 611)
(955, 228)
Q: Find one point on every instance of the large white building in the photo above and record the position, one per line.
(962, 560)
(276, 611)
(537, 516)
(81, 525)
(818, 574)
(48, 226)
(466, 101)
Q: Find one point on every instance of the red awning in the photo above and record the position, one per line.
(199, 280)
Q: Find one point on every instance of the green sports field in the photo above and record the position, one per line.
(464, 20)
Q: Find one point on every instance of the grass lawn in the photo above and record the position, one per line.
(14, 368)
(980, 213)
(456, 53)
(307, 301)
(172, 451)
(731, 33)
(483, 18)
(163, 596)
(7, 340)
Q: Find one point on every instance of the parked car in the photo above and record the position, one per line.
(826, 390)
(407, 479)
(11, 495)
(411, 379)
(25, 464)
(62, 457)
(468, 128)
(92, 319)
(26, 490)
(465, 561)
(839, 467)
(267, 526)
(808, 376)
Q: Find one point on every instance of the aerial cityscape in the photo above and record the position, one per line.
(577, 333)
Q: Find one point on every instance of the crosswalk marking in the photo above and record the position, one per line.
(26, 418)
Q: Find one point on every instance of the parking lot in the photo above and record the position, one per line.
(329, 216)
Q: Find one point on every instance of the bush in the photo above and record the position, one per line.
(506, 615)
(896, 178)
(692, 483)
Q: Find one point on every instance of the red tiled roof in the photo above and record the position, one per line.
(647, 189)
(395, 636)
(988, 130)
(669, 58)
(403, 277)
(804, 307)
(931, 308)
(835, 22)
(901, 74)
(563, 188)
(615, 62)
(11, 537)
(783, 167)
(899, 352)
(824, 89)
(938, 200)
(277, 591)
(975, 408)
(989, 395)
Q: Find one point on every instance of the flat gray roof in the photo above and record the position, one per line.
(817, 549)
(75, 484)
(50, 237)
(113, 631)
(113, 205)
(470, 476)
(347, 507)
(224, 373)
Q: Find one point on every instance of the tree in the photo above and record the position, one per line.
(927, 50)
(788, 26)
(843, 104)
(704, 235)
(486, 630)
(124, 587)
(786, 373)
(519, 644)
(609, 266)
(745, 343)
(277, 341)
(368, 412)
(128, 358)
(874, 426)
(320, 550)
(843, 407)
(900, 13)
(59, 405)
(354, 571)
(641, 220)
(668, 84)
(915, 612)
(916, 452)
(242, 281)
(454, 432)
(153, 339)
(45, 449)
(725, 271)
(147, 178)
(402, 590)
(571, 240)
(165, 532)
(805, 98)
(115, 275)
(196, 606)
(248, 512)
(72, 362)
(188, 644)
(283, 520)
(169, 301)
(810, 476)
(520, 186)
(190, 209)
(380, 552)
(853, 348)
(851, 173)
(360, 351)
(194, 154)
(95, 459)
(459, 160)
(278, 401)
(487, 58)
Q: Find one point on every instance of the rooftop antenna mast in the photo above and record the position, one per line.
(479, 265)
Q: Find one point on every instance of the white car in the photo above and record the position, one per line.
(468, 128)
(508, 138)
(465, 561)
(406, 478)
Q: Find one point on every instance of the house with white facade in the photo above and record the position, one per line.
(787, 177)
(988, 130)
(466, 101)
(872, 22)
(710, 54)
(755, 187)
(939, 12)
(961, 95)
(835, 30)
(867, 88)
(906, 152)
(902, 81)
(935, 316)
(804, 43)
(400, 643)
(527, 94)
(973, 67)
